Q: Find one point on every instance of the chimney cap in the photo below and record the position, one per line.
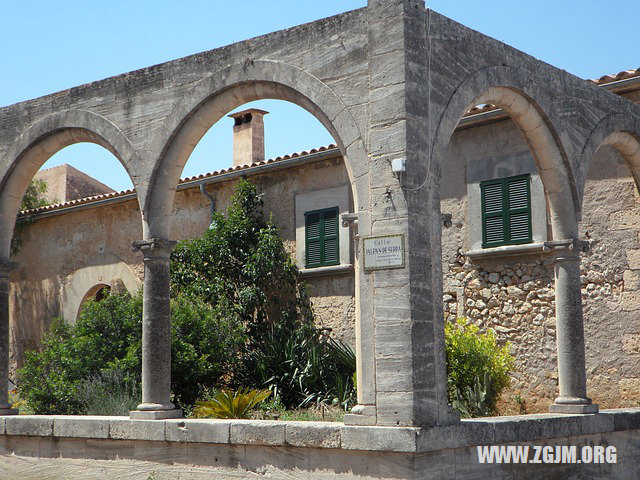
(248, 110)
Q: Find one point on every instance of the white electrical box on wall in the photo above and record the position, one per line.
(398, 165)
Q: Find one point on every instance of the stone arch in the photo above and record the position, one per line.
(42, 140)
(214, 96)
(530, 109)
(620, 131)
(86, 281)
(504, 88)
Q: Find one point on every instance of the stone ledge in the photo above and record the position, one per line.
(124, 428)
(490, 430)
(87, 427)
(331, 270)
(29, 425)
(198, 431)
(257, 432)
(313, 434)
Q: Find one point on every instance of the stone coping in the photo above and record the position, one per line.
(490, 430)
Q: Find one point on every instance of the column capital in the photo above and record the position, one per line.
(568, 250)
(154, 248)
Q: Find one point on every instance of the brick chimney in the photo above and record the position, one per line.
(248, 136)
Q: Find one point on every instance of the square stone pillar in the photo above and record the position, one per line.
(406, 313)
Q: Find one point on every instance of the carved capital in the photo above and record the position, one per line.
(154, 248)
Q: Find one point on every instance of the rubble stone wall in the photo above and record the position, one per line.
(515, 296)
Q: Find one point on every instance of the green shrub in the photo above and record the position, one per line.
(109, 393)
(204, 348)
(106, 338)
(301, 367)
(477, 368)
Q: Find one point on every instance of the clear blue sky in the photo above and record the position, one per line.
(50, 46)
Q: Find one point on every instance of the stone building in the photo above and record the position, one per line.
(390, 82)
(508, 287)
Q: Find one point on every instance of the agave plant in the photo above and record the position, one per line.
(230, 404)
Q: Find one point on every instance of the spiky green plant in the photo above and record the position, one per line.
(229, 404)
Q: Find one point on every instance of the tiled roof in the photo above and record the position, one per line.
(623, 75)
(204, 176)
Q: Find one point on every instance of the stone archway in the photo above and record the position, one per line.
(205, 104)
(503, 88)
(40, 142)
(84, 281)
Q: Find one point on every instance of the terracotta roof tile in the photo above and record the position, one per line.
(623, 75)
(202, 176)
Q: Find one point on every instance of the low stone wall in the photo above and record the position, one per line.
(67, 447)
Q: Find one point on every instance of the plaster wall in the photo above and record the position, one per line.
(93, 239)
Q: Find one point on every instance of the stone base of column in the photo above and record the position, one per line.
(155, 414)
(573, 405)
(8, 411)
(361, 415)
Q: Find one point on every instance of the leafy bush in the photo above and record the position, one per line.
(303, 367)
(240, 268)
(204, 348)
(109, 393)
(228, 404)
(63, 377)
(477, 368)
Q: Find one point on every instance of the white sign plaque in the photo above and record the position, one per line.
(383, 252)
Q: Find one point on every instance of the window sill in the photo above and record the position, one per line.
(509, 250)
(321, 271)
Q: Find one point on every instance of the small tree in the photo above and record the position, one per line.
(240, 267)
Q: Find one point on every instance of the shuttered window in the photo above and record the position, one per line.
(506, 211)
(321, 238)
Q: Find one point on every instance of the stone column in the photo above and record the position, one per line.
(156, 332)
(572, 376)
(5, 406)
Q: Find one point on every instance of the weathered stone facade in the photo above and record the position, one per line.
(514, 294)
(87, 236)
(390, 82)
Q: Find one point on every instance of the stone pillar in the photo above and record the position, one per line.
(156, 332)
(572, 376)
(401, 319)
(5, 406)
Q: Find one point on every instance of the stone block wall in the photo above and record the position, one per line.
(515, 296)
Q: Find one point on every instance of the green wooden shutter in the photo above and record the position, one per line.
(331, 247)
(519, 210)
(313, 239)
(322, 244)
(506, 211)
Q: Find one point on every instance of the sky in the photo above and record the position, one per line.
(51, 46)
